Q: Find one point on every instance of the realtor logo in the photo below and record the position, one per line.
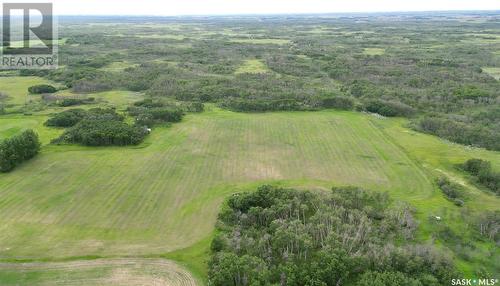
(29, 36)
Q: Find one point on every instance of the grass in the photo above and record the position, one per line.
(253, 67)
(373, 51)
(161, 199)
(17, 88)
(494, 72)
(14, 124)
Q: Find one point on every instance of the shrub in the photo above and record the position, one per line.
(339, 102)
(453, 191)
(66, 118)
(18, 149)
(42, 88)
(476, 166)
(483, 173)
(71, 117)
(100, 132)
(149, 116)
(389, 108)
(74, 101)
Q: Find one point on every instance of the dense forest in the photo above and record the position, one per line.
(349, 236)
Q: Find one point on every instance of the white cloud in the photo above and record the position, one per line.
(208, 7)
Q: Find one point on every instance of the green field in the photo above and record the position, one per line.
(164, 195)
(252, 66)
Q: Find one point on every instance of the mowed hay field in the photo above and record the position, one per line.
(130, 272)
(165, 194)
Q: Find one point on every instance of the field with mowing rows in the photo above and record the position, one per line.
(164, 195)
(128, 272)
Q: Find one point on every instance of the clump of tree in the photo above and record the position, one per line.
(20, 148)
(66, 118)
(92, 132)
(71, 117)
(389, 108)
(349, 236)
(42, 88)
(483, 173)
(96, 127)
(66, 102)
(453, 191)
(149, 112)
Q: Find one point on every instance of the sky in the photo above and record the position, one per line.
(227, 7)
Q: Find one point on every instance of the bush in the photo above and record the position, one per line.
(18, 149)
(476, 166)
(154, 115)
(453, 192)
(74, 101)
(389, 108)
(66, 118)
(71, 117)
(484, 174)
(42, 88)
